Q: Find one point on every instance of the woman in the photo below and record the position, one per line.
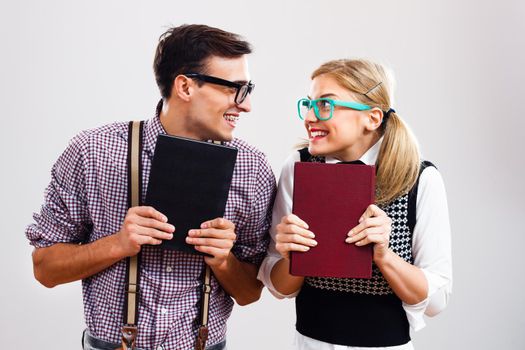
(348, 117)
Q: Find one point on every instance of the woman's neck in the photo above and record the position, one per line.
(357, 150)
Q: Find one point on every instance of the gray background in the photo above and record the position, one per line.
(68, 65)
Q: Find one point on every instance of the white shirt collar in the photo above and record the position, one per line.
(369, 158)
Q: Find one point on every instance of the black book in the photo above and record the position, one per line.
(189, 183)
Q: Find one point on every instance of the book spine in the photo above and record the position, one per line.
(373, 187)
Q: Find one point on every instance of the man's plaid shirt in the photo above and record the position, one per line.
(87, 200)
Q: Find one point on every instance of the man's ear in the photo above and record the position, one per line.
(182, 87)
(375, 118)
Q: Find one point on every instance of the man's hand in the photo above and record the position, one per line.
(215, 237)
(143, 225)
(67, 262)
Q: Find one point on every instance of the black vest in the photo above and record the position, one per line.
(360, 312)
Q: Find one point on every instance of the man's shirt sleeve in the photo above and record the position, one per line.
(64, 216)
(252, 236)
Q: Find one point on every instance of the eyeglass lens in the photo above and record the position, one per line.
(322, 108)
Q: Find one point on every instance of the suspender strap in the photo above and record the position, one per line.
(129, 330)
(202, 335)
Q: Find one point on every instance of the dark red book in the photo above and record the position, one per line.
(331, 198)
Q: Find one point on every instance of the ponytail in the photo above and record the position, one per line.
(398, 160)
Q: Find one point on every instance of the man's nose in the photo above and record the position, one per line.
(246, 105)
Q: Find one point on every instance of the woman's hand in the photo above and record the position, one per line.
(293, 236)
(374, 227)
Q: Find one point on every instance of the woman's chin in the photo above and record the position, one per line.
(316, 150)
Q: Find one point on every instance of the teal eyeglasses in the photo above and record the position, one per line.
(324, 107)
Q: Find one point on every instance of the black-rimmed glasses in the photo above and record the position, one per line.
(243, 90)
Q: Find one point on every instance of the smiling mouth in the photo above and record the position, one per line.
(231, 119)
(317, 134)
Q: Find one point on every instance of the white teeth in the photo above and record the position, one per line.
(319, 133)
(231, 118)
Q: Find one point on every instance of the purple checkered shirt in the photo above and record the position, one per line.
(87, 200)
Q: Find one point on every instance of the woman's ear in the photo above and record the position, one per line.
(375, 118)
(182, 87)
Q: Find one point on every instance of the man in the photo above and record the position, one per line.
(85, 230)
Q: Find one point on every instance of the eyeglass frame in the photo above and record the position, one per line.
(313, 103)
(218, 81)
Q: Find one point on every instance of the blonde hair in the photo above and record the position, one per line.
(398, 161)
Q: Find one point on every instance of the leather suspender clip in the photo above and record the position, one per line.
(202, 337)
(206, 288)
(129, 336)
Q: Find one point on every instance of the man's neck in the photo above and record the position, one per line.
(171, 118)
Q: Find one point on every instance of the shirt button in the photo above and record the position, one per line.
(169, 269)
(163, 311)
(160, 347)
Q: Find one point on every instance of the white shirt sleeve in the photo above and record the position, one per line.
(281, 207)
(431, 247)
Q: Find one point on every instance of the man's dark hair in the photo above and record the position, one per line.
(186, 48)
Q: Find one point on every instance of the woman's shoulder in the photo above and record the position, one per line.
(431, 191)
(429, 174)
(287, 168)
(292, 158)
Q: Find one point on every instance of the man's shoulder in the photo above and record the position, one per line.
(249, 157)
(115, 129)
(245, 148)
(101, 135)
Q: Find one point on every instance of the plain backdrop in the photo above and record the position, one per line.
(71, 65)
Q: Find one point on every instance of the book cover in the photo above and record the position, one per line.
(331, 198)
(189, 182)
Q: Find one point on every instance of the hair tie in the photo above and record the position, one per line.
(386, 114)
